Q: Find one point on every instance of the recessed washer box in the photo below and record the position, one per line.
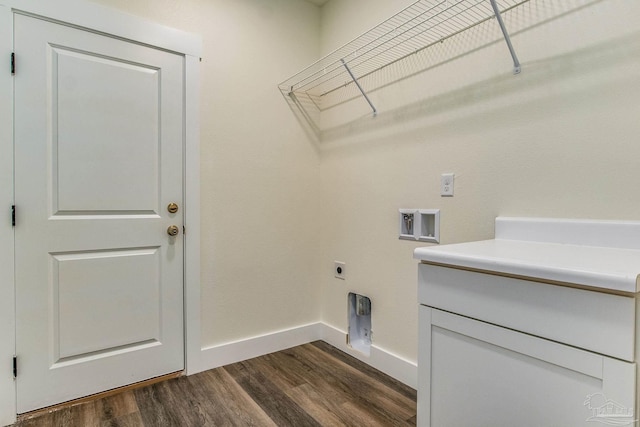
(419, 224)
(429, 225)
(407, 224)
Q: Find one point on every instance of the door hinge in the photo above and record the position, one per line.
(13, 63)
(184, 230)
(13, 215)
(15, 367)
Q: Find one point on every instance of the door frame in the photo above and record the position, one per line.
(110, 22)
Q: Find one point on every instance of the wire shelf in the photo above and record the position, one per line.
(418, 27)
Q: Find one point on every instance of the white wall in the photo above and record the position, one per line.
(560, 140)
(260, 176)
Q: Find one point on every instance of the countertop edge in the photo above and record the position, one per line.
(522, 268)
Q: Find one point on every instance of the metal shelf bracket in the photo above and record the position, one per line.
(359, 87)
(516, 63)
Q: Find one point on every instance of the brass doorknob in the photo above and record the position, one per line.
(173, 230)
(172, 208)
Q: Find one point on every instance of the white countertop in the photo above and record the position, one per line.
(608, 268)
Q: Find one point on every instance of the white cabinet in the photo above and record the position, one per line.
(485, 375)
(499, 348)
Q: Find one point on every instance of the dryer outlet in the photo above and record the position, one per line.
(339, 270)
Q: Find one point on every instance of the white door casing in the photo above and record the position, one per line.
(7, 327)
(99, 130)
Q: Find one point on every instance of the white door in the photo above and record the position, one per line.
(98, 158)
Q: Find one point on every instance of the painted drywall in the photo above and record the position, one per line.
(562, 139)
(260, 175)
(558, 140)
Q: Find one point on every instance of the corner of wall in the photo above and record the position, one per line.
(381, 359)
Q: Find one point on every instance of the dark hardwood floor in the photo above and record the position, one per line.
(311, 385)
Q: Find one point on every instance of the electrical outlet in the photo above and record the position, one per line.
(338, 270)
(446, 184)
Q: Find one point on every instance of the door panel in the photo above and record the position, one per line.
(98, 147)
(89, 287)
(98, 157)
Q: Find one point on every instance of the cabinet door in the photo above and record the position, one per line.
(473, 373)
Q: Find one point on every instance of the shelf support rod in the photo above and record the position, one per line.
(359, 87)
(516, 63)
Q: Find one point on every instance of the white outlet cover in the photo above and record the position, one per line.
(339, 270)
(446, 184)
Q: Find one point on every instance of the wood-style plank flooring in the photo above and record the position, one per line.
(311, 385)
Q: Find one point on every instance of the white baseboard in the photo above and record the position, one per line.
(237, 351)
(395, 366)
